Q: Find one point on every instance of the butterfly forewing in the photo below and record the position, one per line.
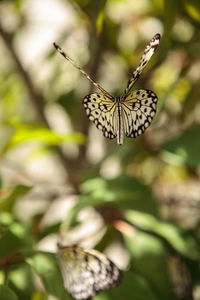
(101, 110)
(138, 110)
(86, 272)
(148, 52)
(81, 70)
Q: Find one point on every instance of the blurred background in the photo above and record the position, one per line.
(62, 181)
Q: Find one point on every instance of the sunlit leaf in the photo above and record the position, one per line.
(39, 296)
(25, 133)
(99, 22)
(193, 9)
(176, 237)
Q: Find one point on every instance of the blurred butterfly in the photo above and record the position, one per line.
(130, 114)
(86, 272)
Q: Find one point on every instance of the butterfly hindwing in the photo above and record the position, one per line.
(86, 272)
(101, 111)
(139, 109)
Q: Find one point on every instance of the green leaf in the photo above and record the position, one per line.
(39, 296)
(6, 293)
(24, 133)
(100, 19)
(149, 259)
(20, 277)
(133, 286)
(179, 239)
(186, 146)
(193, 9)
(124, 192)
(3, 230)
(0, 182)
(46, 267)
(16, 235)
(170, 11)
(69, 104)
(8, 243)
(7, 203)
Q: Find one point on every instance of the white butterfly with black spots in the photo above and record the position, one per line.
(86, 272)
(130, 114)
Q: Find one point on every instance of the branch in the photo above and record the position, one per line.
(35, 96)
(37, 99)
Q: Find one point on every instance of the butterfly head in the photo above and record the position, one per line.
(118, 99)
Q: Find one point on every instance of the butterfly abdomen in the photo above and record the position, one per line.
(120, 133)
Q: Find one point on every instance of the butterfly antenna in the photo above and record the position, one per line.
(82, 71)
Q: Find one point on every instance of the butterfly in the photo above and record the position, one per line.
(130, 114)
(85, 272)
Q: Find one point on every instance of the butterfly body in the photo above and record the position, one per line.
(120, 134)
(116, 117)
(128, 115)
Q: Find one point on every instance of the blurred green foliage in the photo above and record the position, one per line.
(146, 193)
